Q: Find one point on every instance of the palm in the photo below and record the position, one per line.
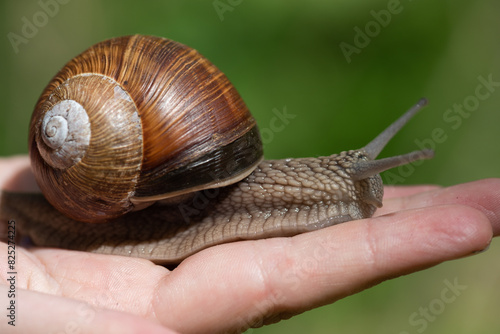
(238, 285)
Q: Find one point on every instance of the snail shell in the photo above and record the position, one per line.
(136, 119)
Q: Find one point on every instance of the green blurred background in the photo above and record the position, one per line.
(287, 54)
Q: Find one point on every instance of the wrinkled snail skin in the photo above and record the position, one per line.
(279, 198)
(215, 190)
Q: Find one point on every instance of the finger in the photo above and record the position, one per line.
(263, 281)
(16, 175)
(399, 191)
(34, 312)
(483, 195)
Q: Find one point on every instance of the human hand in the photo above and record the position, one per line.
(238, 285)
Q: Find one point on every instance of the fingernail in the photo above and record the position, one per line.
(482, 250)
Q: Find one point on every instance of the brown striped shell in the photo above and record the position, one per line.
(136, 119)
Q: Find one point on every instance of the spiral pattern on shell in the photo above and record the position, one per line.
(136, 119)
(65, 134)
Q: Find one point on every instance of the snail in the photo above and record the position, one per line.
(142, 147)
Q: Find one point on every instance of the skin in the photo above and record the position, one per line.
(248, 283)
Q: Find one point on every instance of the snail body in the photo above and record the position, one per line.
(140, 119)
